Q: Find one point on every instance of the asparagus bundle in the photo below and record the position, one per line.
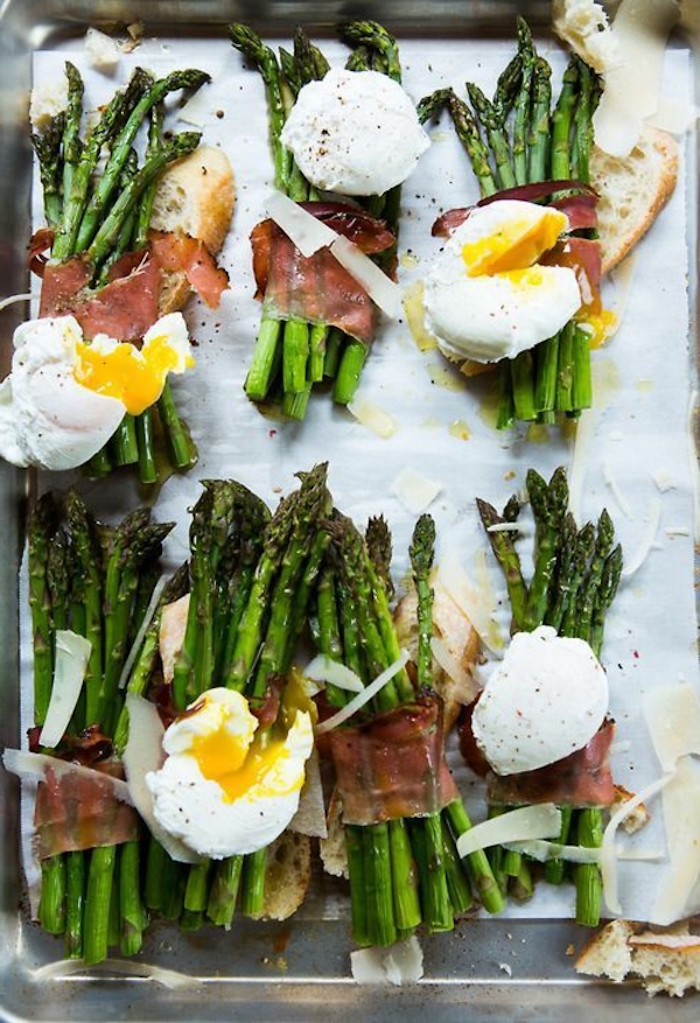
(574, 581)
(403, 871)
(250, 581)
(98, 202)
(515, 140)
(97, 582)
(292, 355)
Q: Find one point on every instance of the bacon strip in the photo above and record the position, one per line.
(394, 766)
(318, 289)
(583, 778)
(73, 813)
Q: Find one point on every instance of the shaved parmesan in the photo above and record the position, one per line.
(672, 715)
(527, 822)
(415, 491)
(632, 85)
(373, 417)
(401, 963)
(33, 767)
(144, 753)
(652, 519)
(325, 669)
(143, 629)
(72, 656)
(11, 299)
(470, 600)
(681, 803)
(364, 697)
(309, 235)
(102, 51)
(467, 688)
(541, 850)
(310, 818)
(623, 504)
(380, 288)
(608, 857)
(307, 232)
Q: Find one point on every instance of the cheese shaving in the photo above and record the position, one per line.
(541, 850)
(72, 656)
(623, 504)
(401, 963)
(415, 491)
(325, 669)
(471, 601)
(608, 858)
(33, 767)
(129, 968)
(672, 714)
(364, 697)
(143, 629)
(144, 753)
(309, 235)
(11, 299)
(467, 688)
(527, 822)
(652, 519)
(373, 417)
(681, 802)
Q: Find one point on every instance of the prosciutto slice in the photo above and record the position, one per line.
(182, 253)
(394, 765)
(318, 289)
(583, 778)
(73, 812)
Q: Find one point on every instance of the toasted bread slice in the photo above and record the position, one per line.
(195, 195)
(287, 876)
(666, 959)
(633, 190)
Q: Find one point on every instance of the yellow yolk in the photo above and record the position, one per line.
(600, 324)
(135, 377)
(238, 768)
(514, 245)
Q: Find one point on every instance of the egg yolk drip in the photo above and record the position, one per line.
(244, 766)
(134, 377)
(514, 245)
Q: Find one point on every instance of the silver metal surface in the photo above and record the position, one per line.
(487, 970)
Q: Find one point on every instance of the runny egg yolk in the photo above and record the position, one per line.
(514, 245)
(135, 377)
(238, 768)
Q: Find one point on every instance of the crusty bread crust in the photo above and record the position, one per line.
(666, 959)
(195, 195)
(333, 850)
(287, 876)
(633, 190)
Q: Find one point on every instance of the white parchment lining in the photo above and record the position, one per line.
(637, 436)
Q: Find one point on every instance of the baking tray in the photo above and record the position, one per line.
(488, 969)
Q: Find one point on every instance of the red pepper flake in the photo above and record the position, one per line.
(272, 433)
(635, 653)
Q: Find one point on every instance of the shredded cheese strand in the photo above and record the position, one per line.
(364, 697)
(143, 629)
(11, 299)
(542, 820)
(324, 669)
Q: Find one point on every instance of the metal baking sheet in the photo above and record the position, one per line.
(505, 969)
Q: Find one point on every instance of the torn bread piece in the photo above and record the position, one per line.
(637, 817)
(455, 653)
(287, 876)
(664, 960)
(195, 196)
(633, 190)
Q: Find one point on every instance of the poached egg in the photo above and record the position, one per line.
(354, 132)
(64, 398)
(486, 297)
(226, 786)
(545, 699)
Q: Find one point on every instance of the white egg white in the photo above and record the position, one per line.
(354, 132)
(545, 699)
(195, 808)
(47, 418)
(487, 316)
